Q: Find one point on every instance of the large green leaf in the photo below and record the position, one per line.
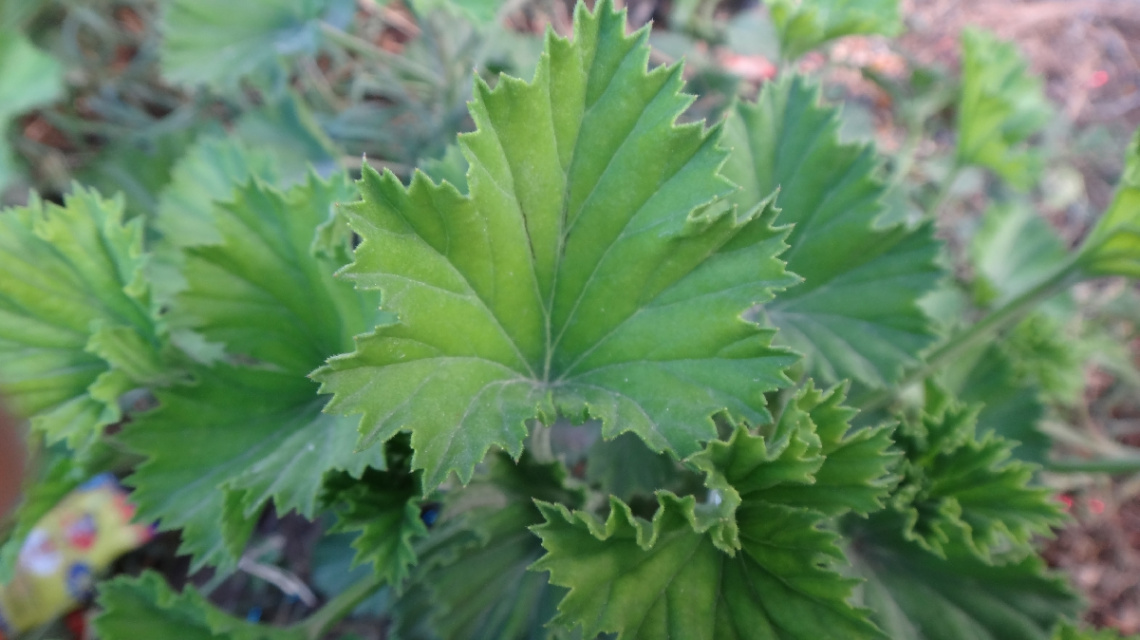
(803, 25)
(221, 449)
(919, 596)
(999, 108)
(739, 565)
(1113, 246)
(593, 270)
(29, 78)
(75, 324)
(146, 607)
(217, 43)
(856, 314)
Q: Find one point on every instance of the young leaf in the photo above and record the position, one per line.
(146, 607)
(856, 314)
(804, 25)
(384, 507)
(217, 43)
(73, 311)
(1113, 246)
(593, 270)
(856, 471)
(746, 564)
(959, 489)
(999, 108)
(918, 596)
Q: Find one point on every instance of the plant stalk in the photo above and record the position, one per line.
(943, 191)
(1095, 465)
(364, 47)
(317, 625)
(999, 319)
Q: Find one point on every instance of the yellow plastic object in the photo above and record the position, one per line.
(80, 537)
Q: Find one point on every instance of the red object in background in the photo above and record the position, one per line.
(1099, 79)
(76, 623)
(11, 463)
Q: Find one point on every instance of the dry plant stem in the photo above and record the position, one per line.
(392, 60)
(997, 320)
(317, 625)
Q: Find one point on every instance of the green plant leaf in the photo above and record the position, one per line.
(1113, 246)
(999, 108)
(624, 467)
(803, 25)
(209, 172)
(265, 291)
(1013, 251)
(383, 507)
(71, 291)
(1010, 406)
(219, 450)
(472, 579)
(856, 315)
(961, 489)
(146, 607)
(746, 563)
(856, 470)
(593, 270)
(217, 43)
(919, 596)
(29, 78)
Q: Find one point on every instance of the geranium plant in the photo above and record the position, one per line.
(598, 372)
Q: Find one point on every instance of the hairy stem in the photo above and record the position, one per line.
(316, 625)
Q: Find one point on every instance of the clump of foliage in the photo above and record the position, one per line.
(594, 371)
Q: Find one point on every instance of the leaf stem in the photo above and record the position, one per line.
(997, 320)
(943, 191)
(1096, 465)
(315, 626)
